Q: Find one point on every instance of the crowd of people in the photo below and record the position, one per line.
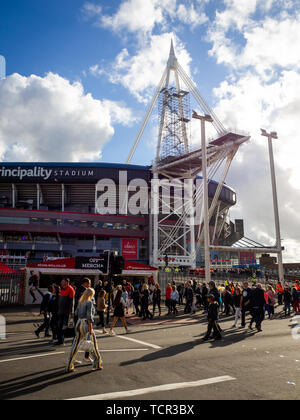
(70, 311)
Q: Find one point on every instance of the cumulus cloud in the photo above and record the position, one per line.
(140, 73)
(262, 91)
(50, 119)
(141, 17)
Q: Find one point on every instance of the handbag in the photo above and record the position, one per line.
(87, 346)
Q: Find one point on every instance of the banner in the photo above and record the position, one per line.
(130, 249)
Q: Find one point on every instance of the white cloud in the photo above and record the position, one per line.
(142, 72)
(141, 17)
(259, 44)
(90, 10)
(190, 15)
(50, 119)
(251, 103)
(138, 15)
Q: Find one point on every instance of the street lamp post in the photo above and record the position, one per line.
(270, 136)
(204, 118)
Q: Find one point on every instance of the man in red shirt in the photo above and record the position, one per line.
(280, 292)
(65, 308)
(168, 297)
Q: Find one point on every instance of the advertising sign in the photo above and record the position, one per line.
(130, 249)
(92, 263)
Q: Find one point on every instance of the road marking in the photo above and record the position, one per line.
(160, 388)
(153, 346)
(32, 357)
(66, 352)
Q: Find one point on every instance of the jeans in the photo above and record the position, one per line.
(63, 320)
(237, 315)
(156, 302)
(287, 308)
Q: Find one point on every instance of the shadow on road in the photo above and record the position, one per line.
(18, 387)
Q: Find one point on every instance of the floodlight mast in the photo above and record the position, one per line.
(270, 136)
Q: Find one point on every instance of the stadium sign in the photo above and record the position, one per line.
(41, 173)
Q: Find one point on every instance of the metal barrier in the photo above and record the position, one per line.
(178, 278)
(12, 288)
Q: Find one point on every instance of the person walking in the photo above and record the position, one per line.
(287, 299)
(65, 309)
(136, 301)
(245, 303)
(213, 290)
(119, 312)
(157, 298)
(279, 292)
(180, 290)
(204, 297)
(174, 300)
(53, 311)
(44, 310)
(228, 301)
(258, 306)
(212, 317)
(237, 304)
(296, 298)
(130, 297)
(145, 303)
(189, 297)
(272, 300)
(84, 285)
(168, 297)
(101, 307)
(84, 329)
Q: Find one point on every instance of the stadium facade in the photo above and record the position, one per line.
(50, 210)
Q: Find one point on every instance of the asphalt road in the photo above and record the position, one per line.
(163, 359)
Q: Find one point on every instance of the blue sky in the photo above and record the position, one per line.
(80, 74)
(37, 37)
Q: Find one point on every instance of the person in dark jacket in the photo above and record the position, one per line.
(245, 302)
(44, 310)
(156, 298)
(189, 296)
(228, 301)
(53, 310)
(204, 296)
(136, 301)
(212, 317)
(145, 303)
(214, 291)
(287, 299)
(257, 304)
(65, 309)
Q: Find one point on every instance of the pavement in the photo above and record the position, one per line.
(164, 359)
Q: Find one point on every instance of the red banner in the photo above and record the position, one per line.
(130, 249)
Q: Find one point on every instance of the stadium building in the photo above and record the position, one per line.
(50, 210)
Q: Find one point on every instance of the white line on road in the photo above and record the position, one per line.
(167, 387)
(154, 346)
(55, 353)
(32, 357)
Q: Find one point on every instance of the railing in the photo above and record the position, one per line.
(11, 288)
(178, 278)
